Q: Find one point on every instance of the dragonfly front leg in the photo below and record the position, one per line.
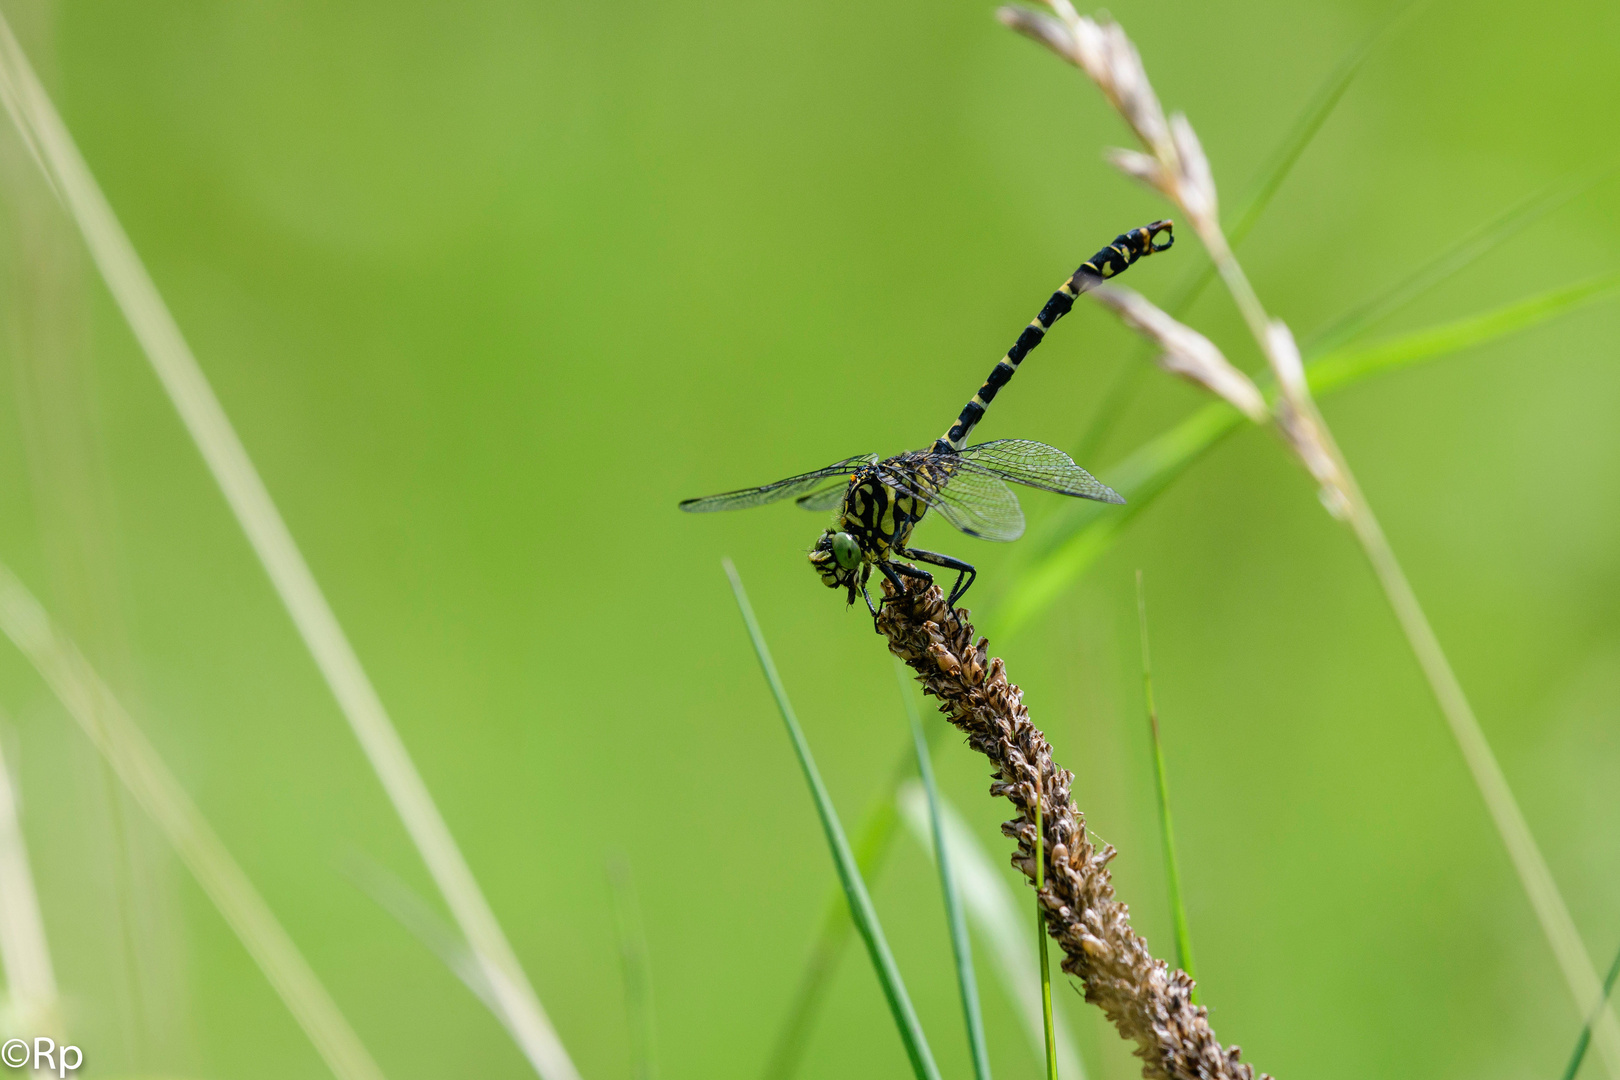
(965, 573)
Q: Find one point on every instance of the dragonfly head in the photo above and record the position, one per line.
(837, 558)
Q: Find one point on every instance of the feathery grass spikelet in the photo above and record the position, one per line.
(1187, 353)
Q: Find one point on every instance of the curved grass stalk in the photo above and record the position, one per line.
(113, 732)
(849, 875)
(205, 420)
(1284, 157)
(961, 947)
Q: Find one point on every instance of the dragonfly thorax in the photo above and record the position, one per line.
(875, 520)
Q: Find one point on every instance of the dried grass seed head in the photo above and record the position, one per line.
(1187, 353)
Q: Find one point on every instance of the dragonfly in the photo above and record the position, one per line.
(880, 502)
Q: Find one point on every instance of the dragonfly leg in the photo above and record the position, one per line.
(965, 573)
(866, 575)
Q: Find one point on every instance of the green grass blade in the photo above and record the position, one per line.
(1085, 533)
(1309, 122)
(1343, 367)
(849, 875)
(878, 827)
(961, 948)
(638, 996)
(1040, 946)
(1585, 1039)
(1460, 254)
(997, 915)
(1167, 833)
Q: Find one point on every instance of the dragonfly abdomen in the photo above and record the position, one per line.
(1112, 260)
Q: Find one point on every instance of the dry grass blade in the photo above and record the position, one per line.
(204, 418)
(1187, 353)
(31, 1000)
(997, 916)
(112, 731)
(849, 876)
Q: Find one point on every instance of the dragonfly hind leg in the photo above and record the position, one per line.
(965, 573)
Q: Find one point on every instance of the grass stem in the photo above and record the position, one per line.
(1178, 907)
(216, 439)
(849, 874)
(125, 747)
(1040, 944)
(961, 947)
(1585, 1039)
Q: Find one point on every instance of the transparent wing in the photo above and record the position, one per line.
(826, 499)
(1036, 465)
(783, 489)
(975, 502)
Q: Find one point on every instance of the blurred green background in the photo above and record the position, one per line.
(487, 288)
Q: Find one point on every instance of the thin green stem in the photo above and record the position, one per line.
(1040, 943)
(1586, 1029)
(1178, 908)
(961, 947)
(638, 995)
(849, 874)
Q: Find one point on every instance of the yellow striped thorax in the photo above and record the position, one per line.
(876, 518)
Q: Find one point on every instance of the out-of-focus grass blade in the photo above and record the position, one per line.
(849, 874)
(1350, 365)
(1167, 833)
(1585, 1039)
(637, 971)
(1310, 121)
(114, 733)
(1460, 254)
(31, 1001)
(1084, 533)
(961, 948)
(417, 916)
(222, 449)
(1278, 165)
(998, 917)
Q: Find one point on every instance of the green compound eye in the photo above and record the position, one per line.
(846, 551)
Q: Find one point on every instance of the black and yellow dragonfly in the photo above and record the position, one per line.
(880, 502)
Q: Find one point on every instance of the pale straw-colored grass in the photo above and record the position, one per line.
(31, 999)
(115, 734)
(204, 418)
(1173, 162)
